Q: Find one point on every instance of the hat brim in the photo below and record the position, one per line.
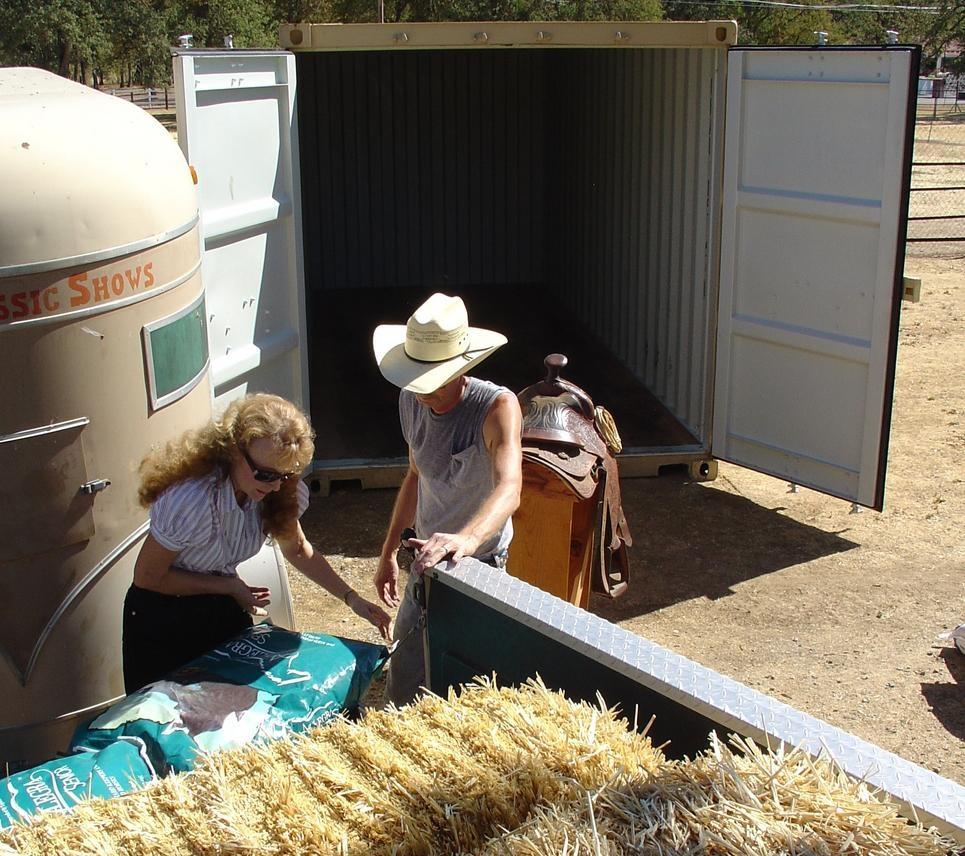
(397, 367)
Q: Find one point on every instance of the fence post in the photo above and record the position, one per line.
(165, 98)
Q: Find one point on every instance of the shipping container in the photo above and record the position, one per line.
(714, 235)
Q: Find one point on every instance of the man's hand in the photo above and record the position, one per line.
(387, 580)
(371, 612)
(439, 546)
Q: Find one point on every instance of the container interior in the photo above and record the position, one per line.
(569, 196)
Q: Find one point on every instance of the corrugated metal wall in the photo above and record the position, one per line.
(422, 168)
(589, 172)
(634, 213)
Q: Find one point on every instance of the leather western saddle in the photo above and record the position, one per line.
(564, 433)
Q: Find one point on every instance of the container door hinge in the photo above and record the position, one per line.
(94, 486)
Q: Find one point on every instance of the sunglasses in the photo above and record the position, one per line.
(264, 475)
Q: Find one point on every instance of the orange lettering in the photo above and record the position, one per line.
(51, 303)
(76, 284)
(100, 288)
(35, 302)
(134, 280)
(19, 301)
(117, 284)
(148, 275)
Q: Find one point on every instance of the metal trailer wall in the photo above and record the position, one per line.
(590, 174)
(102, 329)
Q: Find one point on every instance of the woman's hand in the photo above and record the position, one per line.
(371, 612)
(251, 599)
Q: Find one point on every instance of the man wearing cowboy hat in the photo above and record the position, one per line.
(465, 461)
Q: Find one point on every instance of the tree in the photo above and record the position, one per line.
(138, 48)
(65, 36)
(500, 10)
(294, 11)
(947, 26)
(758, 24)
(250, 23)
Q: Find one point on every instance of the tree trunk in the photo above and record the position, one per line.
(64, 70)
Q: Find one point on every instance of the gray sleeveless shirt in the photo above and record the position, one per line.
(455, 468)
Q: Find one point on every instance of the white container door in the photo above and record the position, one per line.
(816, 168)
(237, 128)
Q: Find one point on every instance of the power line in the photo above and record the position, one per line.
(837, 7)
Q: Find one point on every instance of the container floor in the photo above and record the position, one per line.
(355, 410)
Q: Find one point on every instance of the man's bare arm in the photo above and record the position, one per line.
(403, 515)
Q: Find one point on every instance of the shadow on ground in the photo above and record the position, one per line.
(695, 540)
(947, 699)
(690, 540)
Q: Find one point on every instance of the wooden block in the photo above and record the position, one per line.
(911, 289)
(583, 546)
(540, 550)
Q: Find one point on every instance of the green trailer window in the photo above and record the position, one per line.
(176, 352)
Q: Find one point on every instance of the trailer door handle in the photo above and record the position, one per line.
(95, 486)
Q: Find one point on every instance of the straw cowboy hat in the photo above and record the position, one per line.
(435, 346)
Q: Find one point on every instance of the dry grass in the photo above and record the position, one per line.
(492, 771)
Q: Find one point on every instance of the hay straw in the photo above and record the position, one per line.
(492, 771)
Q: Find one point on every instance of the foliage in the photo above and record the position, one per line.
(54, 35)
(946, 27)
(756, 25)
(129, 40)
(250, 23)
(137, 49)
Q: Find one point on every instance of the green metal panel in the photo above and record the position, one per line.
(466, 638)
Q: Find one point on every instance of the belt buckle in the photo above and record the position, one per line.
(407, 533)
(406, 554)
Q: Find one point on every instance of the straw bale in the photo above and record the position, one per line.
(492, 771)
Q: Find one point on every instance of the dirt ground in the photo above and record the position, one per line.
(836, 613)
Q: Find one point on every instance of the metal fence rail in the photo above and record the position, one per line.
(150, 98)
(937, 206)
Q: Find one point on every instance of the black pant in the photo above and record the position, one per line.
(164, 631)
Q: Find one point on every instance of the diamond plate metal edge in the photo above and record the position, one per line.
(923, 795)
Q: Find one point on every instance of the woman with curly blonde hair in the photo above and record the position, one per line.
(215, 493)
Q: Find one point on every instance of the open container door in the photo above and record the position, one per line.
(816, 172)
(237, 128)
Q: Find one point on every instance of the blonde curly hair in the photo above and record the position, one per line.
(197, 452)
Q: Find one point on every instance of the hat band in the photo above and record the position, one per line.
(466, 355)
(436, 346)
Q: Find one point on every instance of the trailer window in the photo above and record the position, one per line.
(176, 353)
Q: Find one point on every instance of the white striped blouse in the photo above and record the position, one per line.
(201, 520)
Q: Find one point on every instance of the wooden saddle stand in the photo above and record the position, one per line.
(571, 535)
